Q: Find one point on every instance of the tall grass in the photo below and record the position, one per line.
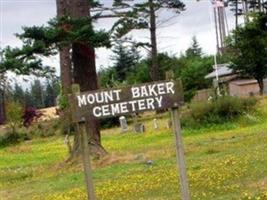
(218, 110)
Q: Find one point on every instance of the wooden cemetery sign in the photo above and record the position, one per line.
(125, 100)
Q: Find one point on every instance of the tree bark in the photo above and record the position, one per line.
(64, 53)
(84, 74)
(153, 38)
(261, 85)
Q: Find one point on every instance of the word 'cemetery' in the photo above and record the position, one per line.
(126, 100)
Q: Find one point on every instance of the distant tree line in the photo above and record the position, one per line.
(38, 95)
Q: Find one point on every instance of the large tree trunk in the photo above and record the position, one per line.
(64, 53)
(63, 8)
(84, 74)
(154, 52)
(261, 85)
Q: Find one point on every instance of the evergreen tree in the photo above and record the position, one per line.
(141, 72)
(193, 74)
(18, 94)
(248, 49)
(37, 93)
(29, 101)
(107, 77)
(195, 50)
(125, 60)
(51, 92)
(49, 95)
(143, 15)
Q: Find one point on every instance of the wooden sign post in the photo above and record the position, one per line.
(130, 99)
(87, 163)
(83, 140)
(180, 157)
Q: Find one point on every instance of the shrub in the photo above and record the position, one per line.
(10, 138)
(30, 114)
(218, 110)
(45, 128)
(14, 115)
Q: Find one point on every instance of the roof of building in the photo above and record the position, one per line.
(222, 70)
(244, 82)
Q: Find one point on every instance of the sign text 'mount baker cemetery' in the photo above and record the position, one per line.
(125, 100)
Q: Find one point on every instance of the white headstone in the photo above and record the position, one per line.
(123, 124)
(155, 124)
(169, 124)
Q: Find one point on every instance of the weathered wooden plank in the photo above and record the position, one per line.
(180, 157)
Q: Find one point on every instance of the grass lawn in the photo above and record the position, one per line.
(226, 162)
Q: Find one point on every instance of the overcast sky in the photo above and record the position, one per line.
(173, 37)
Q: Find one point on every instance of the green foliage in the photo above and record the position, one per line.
(14, 112)
(248, 48)
(195, 50)
(39, 95)
(52, 90)
(63, 102)
(218, 110)
(64, 31)
(140, 74)
(191, 68)
(125, 59)
(46, 41)
(18, 94)
(10, 138)
(25, 60)
(193, 75)
(29, 101)
(138, 14)
(228, 159)
(107, 77)
(37, 92)
(166, 63)
(45, 128)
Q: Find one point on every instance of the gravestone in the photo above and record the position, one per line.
(123, 124)
(139, 128)
(155, 124)
(169, 124)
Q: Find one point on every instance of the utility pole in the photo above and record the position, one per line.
(221, 24)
